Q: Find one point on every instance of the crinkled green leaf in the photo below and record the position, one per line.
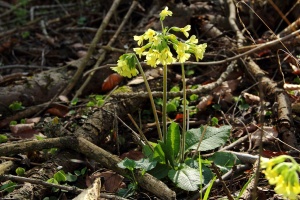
(213, 137)
(224, 160)
(186, 178)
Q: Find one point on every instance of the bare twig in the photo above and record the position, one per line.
(92, 48)
(103, 52)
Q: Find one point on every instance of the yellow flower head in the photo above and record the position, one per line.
(165, 12)
(192, 40)
(149, 34)
(198, 50)
(139, 51)
(185, 30)
(139, 39)
(123, 67)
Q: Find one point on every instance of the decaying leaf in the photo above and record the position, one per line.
(23, 130)
(269, 135)
(92, 192)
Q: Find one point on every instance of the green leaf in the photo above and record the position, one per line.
(172, 143)
(216, 107)
(83, 171)
(296, 80)
(3, 138)
(160, 171)
(127, 164)
(70, 177)
(186, 178)
(52, 180)
(12, 123)
(20, 171)
(194, 97)
(147, 151)
(213, 137)
(158, 153)
(214, 121)
(145, 164)
(74, 101)
(175, 89)
(77, 172)
(206, 172)
(8, 187)
(209, 188)
(16, 105)
(158, 101)
(90, 104)
(224, 160)
(60, 176)
(171, 107)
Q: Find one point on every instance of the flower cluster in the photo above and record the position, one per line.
(126, 65)
(282, 174)
(157, 47)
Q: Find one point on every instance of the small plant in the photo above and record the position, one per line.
(61, 177)
(20, 171)
(3, 138)
(96, 100)
(169, 156)
(16, 105)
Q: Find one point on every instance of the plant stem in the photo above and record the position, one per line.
(184, 112)
(151, 98)
(164, 106)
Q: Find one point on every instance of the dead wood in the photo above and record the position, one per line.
(95, 129)
(284, 111)
(34, 90)
(35, 191)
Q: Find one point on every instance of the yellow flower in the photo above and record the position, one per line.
(182, 57)
(139, 51)
(165, 12)
(181, 47)
(123, 68)
(185, 30)
(139, 39)
(149, 34)
(156, 40)
(152, 57)
(198, 50)
(166, 57)
(192, 40)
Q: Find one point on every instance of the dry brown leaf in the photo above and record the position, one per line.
(112, 181)
(269, 135)
(23, 130)
(133, 155)
(205, 101)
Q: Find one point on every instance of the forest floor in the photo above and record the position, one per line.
(67, 120)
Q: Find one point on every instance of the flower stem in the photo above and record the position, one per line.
(150, 97)
(184, 112)
(164, 106)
